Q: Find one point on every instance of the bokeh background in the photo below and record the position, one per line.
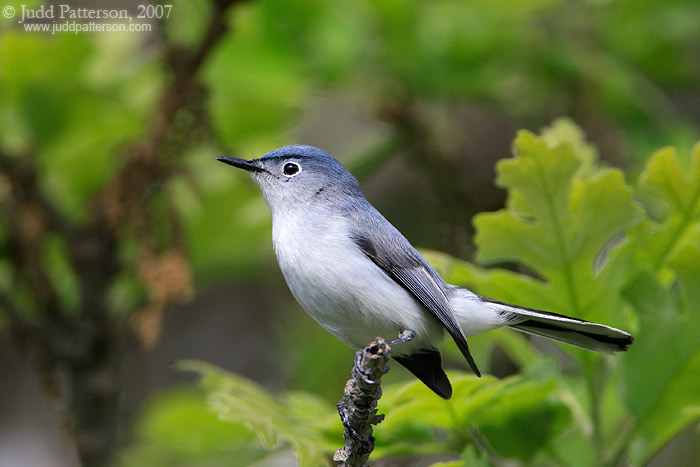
(124, 247)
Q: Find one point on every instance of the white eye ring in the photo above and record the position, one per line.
(291, 169)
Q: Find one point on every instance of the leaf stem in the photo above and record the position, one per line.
(595, 385)
(595, 381)
(560, 461)
(560, 241)
(622, 441)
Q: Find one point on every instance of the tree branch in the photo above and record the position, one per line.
(358, 407)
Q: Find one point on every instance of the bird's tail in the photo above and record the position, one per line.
(576, 332)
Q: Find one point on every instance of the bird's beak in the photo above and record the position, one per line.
(249, 166)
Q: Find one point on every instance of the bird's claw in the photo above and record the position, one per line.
(404, 336)
(344, 413)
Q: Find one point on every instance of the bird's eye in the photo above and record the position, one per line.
(291, 168)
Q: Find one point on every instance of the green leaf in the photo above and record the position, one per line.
(660, 371)
(562, 214)
(661, 384)
(576, 226)
(518, 415)
(678, 188)
(177, 429)
(302, 421)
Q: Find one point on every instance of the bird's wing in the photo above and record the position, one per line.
(403, 264)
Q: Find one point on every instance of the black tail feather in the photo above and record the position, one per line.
(427, 367)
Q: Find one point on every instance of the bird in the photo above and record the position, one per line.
(358, 277)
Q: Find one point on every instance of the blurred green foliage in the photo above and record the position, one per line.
(621, 64)
(583, 239)
(180, 430)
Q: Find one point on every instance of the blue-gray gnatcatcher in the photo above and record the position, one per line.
(359, 277)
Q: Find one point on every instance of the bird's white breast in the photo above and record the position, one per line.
(341, 288)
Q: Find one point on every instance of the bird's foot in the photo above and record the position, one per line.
(345, 417)
(404, 336)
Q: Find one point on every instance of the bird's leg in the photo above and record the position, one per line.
(404, 336)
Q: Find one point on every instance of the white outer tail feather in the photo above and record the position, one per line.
(579, 333)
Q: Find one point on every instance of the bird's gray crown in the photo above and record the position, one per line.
(315, 160)
(299, 174)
